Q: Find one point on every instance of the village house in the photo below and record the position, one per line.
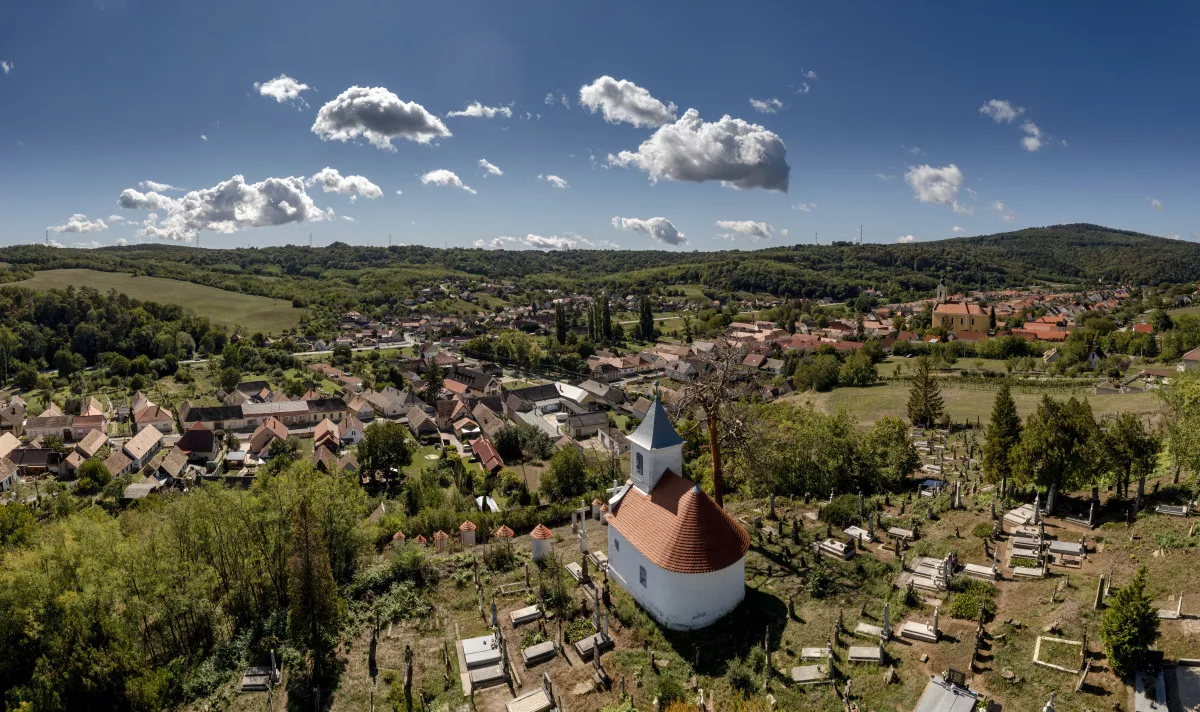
(351, 430)
(12, 416)
(47, 426)
(218, 417)
(81, 425)
(679, 555)
(143, 446)
(422, 426)
(117, 463)
(613, 440)
(9, 474)
(8, 443)
(961, 316)
(85, 449)
(156, 417)
(388, 402)
(269, 430)
(287, 412)
(1191, 360)
(486, 453)
(199, 443)
(583, 425)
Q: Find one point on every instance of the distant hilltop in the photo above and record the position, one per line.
(1077, 254)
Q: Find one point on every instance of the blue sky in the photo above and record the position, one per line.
(97, 97)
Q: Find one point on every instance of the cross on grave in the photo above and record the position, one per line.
(772, 513)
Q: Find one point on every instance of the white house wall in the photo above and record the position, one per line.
(677, 601)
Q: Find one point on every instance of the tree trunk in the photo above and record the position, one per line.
(714, 444)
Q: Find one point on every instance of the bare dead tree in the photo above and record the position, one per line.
(716, 393)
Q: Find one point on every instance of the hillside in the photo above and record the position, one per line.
(1068, 254)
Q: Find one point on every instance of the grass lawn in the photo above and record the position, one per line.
(270, 316)
(873, 402)
(1190, 311)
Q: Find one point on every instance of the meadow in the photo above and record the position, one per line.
(270, 316)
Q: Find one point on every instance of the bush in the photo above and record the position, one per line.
(669, 690)
(579, 629)
(741, 676)
(842, 511)
(982, 530)
(968, 595)
(820, 581)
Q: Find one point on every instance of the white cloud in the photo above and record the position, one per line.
(227, 207)
(89, 245)
(447, 178)
(331, 181)
(114, 218)
(766, 106)
(54, 243)
(376, 114)
(399, 192)
(347, 218)
(783, 231)
(660, 229)
(203, 137)
(156, 186)
(1001, 111)
(121, 242)
(1006, 213)
(1156, 204)
(803, 88)
(6, 66)
(475, 110)
(937, 185)
(914, 150)
(737, 153)
(804, 207)
(751, 229)
(283, 89)
(550, 100)
(957, 230)
(553, 180)
(489, 169)
(885, 177)
(79, 223)
(906, 239)
(1033, 141)
(566, 241)
(808, 74)
(622, 100)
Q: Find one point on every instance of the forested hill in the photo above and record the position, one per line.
(1069, 254)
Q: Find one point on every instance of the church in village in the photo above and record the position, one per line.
(669, 545)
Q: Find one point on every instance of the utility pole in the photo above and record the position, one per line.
(389, 239)
(47, 237)
(310, 240)
(860, 233)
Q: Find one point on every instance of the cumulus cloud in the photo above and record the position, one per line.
(1006, 213)
(489, 169)
(379, 116)
(808, 74)
(660, 229)
(347, 218)
(447, 178)
(1033, 139)
(623, 101)
(475, 110)
(114, 218)
(54, 243)
(6, 66)
(88, 245)
(553, 180)
(566, 241)
(331, 181)
(887, 177)
(737, 153)
(957, 230)
(284, 90)
(752, 229)
(227, 207)
(399, 192)
(203, 137)
(1001, 111)
(79, 223)
(937, 185)
(121, 242)
(1156, 204)
(803, 88)
(914, 150)
(804, 207)
(551, 100)
(767, 106)
(906, 239)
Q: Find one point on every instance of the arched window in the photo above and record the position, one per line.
(638, 463)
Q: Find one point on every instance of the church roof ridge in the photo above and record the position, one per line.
(656, 431)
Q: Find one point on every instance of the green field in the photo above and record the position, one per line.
(870, 403)
(270, 316)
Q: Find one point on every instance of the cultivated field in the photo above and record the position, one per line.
(270, 316)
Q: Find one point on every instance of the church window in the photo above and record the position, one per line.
(617, 544)
(639, 463)
(642, 575)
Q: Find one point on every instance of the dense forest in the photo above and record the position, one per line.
(342, 274)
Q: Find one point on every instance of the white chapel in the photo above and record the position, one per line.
(669, 545)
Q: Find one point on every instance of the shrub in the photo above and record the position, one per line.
(982, 530)
(741, 676)
(842, 511)
(579, 629)
(669, 691)
(968, 595)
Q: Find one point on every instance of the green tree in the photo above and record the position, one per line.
(1182, 397)
(385, 449)
(508, 442)
(1129, 625)
(1061, 446)
(858, 370)
(92, 475)
(687, 330)
(1131, 450)
(566, 477)
(819, 373)
(230, 378)
(560, 324)
(894, 455)
(434, 378)
(1002, 434)
(925, 406)
(645, 320)
(316, 610)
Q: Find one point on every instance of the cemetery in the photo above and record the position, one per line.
(967, 596)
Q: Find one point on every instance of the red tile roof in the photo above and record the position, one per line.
(503, 532)
(679, 528)
(398, 536)
(467, 526)
(959, 308)
(541, 532)
(440, 535)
